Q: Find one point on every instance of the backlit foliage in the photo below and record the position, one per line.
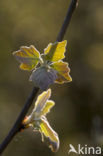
(46, 68)
(37, 119)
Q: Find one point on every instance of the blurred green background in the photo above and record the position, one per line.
(78, 114)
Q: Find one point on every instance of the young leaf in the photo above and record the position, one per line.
(41, 101)
(55, 52)
(39, 122)
(48, 132)
(28, 57)
(43, 77)
(41, 108)
(62, 72)
(46, 109)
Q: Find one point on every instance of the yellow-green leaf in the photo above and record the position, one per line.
(55, 51)
(41, 101)
(62, 72)
(50, 134)
(28, 57)
(46, 109)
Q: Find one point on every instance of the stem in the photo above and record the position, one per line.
(67, 19)
(18, 124)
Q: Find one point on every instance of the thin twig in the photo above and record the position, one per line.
(67, 19)
(18, 124)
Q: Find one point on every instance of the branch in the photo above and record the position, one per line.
(18, 124)
(72, 7)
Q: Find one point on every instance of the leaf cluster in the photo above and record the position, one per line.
(47, 68)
